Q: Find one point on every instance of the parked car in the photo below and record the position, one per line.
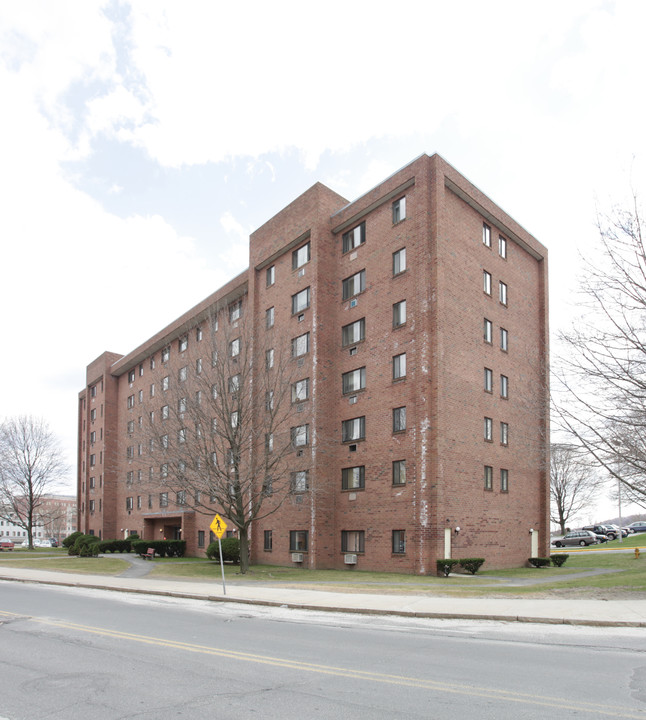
(606, 530)
(602, 538)
(577, 537)
(53, 542)
(639, 526)
(624, 531)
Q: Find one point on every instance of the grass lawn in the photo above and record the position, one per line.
(627, 576)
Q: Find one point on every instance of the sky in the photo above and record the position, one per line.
(142, 142)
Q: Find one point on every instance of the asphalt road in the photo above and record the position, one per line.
(68, 653)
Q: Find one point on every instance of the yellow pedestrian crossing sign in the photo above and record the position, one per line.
(218, 526)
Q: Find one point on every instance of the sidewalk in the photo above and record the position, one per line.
(612, 613)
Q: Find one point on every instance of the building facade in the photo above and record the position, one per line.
(414, 323)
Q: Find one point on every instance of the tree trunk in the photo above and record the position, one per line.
(244, 550)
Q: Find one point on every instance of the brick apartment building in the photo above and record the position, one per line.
(415, 323)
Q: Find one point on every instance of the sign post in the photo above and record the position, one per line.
(219, 526)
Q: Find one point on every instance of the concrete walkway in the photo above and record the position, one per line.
(617, 613)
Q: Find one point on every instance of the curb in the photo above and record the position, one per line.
(350, 611)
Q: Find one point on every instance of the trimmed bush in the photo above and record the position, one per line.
(81, 544)
(538, 562)
(230, 550)
(71, 539)
(162, 548)
(445, 566)
(558, 560)
(113, 546)
(471, 565)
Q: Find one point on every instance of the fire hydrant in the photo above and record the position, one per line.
(636, 553)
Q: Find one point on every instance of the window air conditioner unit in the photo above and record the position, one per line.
(350, 559)
(297, 557)
(353, 302)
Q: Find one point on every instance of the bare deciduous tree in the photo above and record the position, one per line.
(573, 484)
(221, 434)
(31, 465)
(601, 393)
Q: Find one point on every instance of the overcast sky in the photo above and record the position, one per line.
(142, 142)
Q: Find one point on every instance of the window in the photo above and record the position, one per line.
(504, 480)
(93, 415)
(269, 400)
(399, 542)
(200, 538)
(165, 354)
(354, 332)
(129, 504)
(488, 429)
(181, 435)
(271, 275)
(488, 477)
(301, 256)
(504, 340)
(152, 389)
(198, 366)
(486, 235)
(399, 261)
(269, 442)
(131, 401)
(354, 429)
(301, 301)
(502, 292)
(301, 345)
(399, 419)
(152, 362)
(163, 499)
(399, 366)
(355, 237)
(488, 380)
(298, 540)
(234, 383)
(234, 348)
(150, 502)
(93, 435)
(235, 311)
(181, 497)
(165, 412)
(502, 247)
(214, 358)
(92, 460)
(399, 472)
(141, 396)
(234, 417)
(399, 313)
(214, 391)
(300, 435)
(269, 359)
(488, 331)
(91, 505)
(354, 285)
(269, 318)
(353, 380)
(353, 541)
(165, 383)
(183, 373)
(199, 334)
(299, 481)
(164, 441)
(138, 502)
(504, 433)
(183, 343)
(353, 478)
(268, 541)
(93, 391)
(131, 376)
(163, 470)
(399, 210)
(504, 386)
(300, 390)
(486, 282)
(181, 405)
